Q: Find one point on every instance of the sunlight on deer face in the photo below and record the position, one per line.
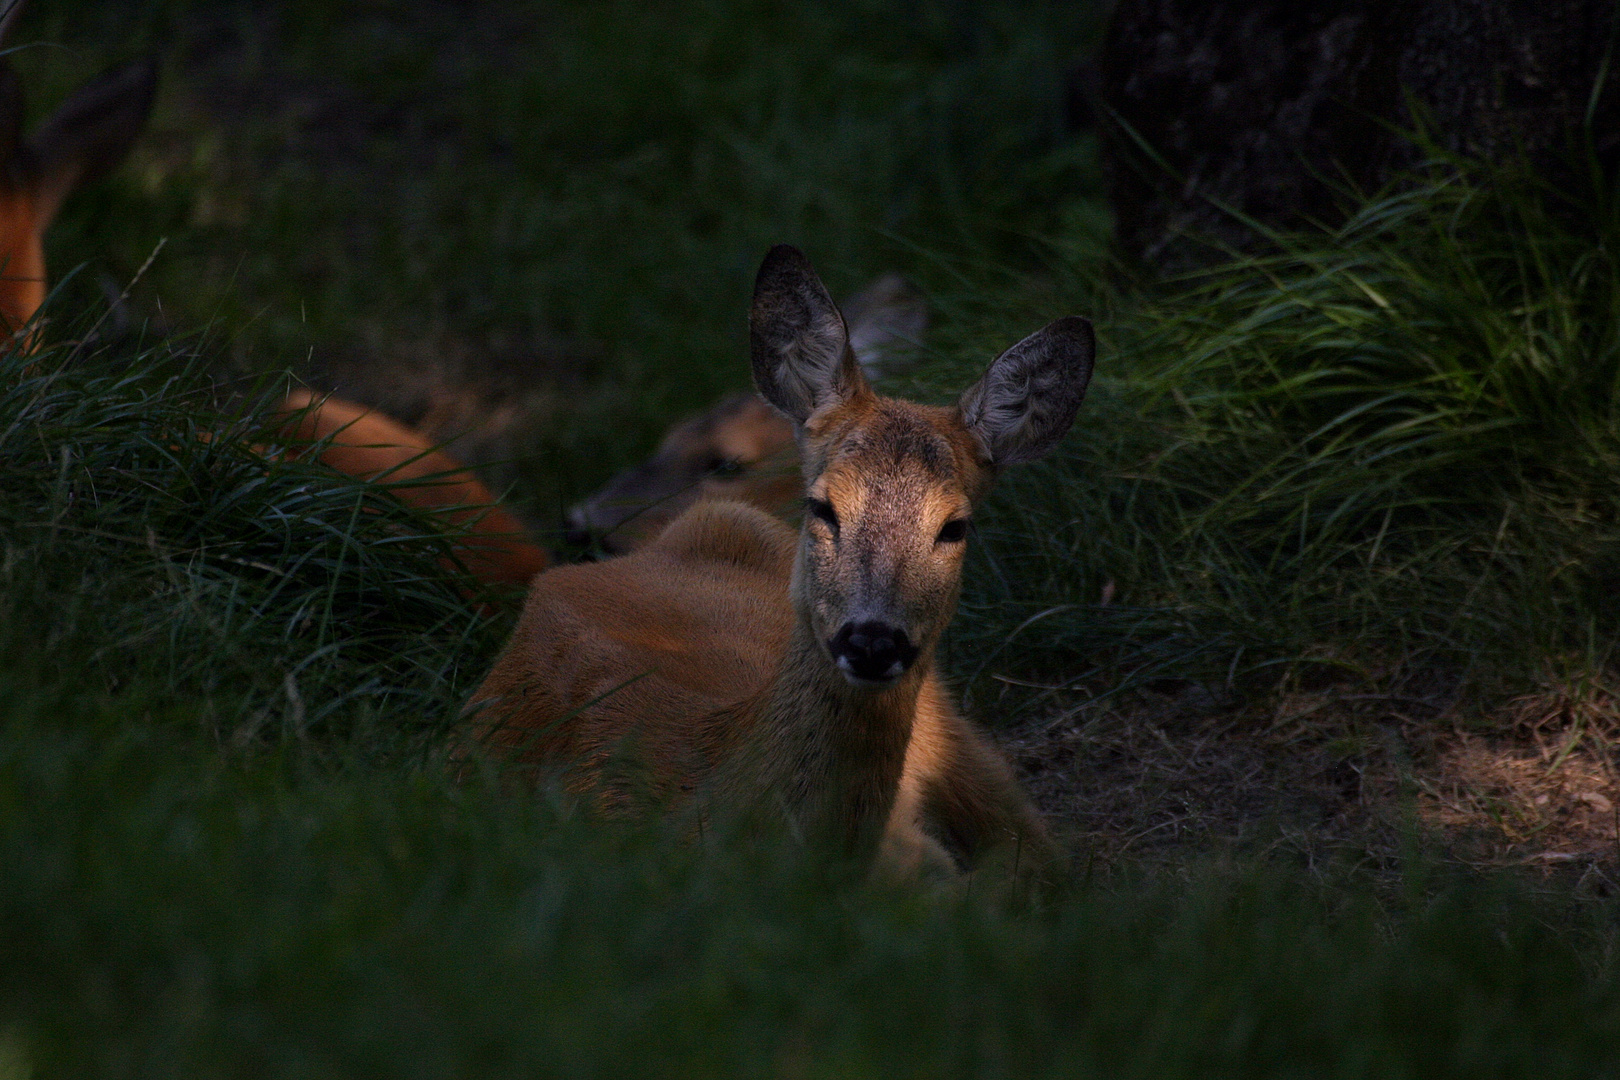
(890, 486)
(890, 495)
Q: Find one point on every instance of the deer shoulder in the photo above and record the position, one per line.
(646, 648)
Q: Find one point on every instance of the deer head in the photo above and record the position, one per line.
(891, 486)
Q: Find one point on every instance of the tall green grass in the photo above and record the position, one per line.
(1389, 451)
(229, 844)
(166, 911)
(232, 848)
(155, 537)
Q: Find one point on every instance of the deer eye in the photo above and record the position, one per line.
(724, 468)
(953, 531)
(824, 510)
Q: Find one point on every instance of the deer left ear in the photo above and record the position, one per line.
(1025, 403)
(800, 345)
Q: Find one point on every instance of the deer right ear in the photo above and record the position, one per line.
(12, 171)
(91, 132)
(800, 346)
(1026, 401)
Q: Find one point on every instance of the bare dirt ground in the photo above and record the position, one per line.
(1162, 777)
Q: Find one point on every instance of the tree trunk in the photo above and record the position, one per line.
(1273, 107)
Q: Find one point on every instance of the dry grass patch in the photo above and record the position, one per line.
(1545, 791)
(1173, 773)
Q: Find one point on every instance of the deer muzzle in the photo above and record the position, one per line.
(872, 653)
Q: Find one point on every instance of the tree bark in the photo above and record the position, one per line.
(1276, 108)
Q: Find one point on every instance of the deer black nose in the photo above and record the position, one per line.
(578, 530)
(587, 544)
(872, 652)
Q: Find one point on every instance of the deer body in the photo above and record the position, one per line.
(718, 690)
(758, 670)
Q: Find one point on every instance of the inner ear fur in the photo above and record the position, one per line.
(797, 338)
(1027, 399)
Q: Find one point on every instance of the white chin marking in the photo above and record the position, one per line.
(844, 668)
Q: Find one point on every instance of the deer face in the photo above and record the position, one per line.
(740, 449)
(889, 502)
(890, 486)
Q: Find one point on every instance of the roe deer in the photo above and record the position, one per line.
(749, 669)
(739, 448)
(495, 548)
(92, 132)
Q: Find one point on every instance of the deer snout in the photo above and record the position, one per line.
(872, 652)
(586, 525)
(577, 531)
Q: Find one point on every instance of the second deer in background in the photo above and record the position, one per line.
(87, 137)
(740, 448)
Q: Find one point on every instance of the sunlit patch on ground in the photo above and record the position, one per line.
(1170, 776)
(1546, 793)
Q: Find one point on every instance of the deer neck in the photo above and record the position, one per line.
(830, 754)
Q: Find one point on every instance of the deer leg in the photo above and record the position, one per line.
(977, 806)
(907, 852)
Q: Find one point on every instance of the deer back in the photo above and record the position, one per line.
(667, 650)
(360, 442)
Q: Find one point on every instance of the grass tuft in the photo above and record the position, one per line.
(151, 534)
(1386, 452)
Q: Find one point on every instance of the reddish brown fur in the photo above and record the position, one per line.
(366, 444)
(22, 259)
(574, 646)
